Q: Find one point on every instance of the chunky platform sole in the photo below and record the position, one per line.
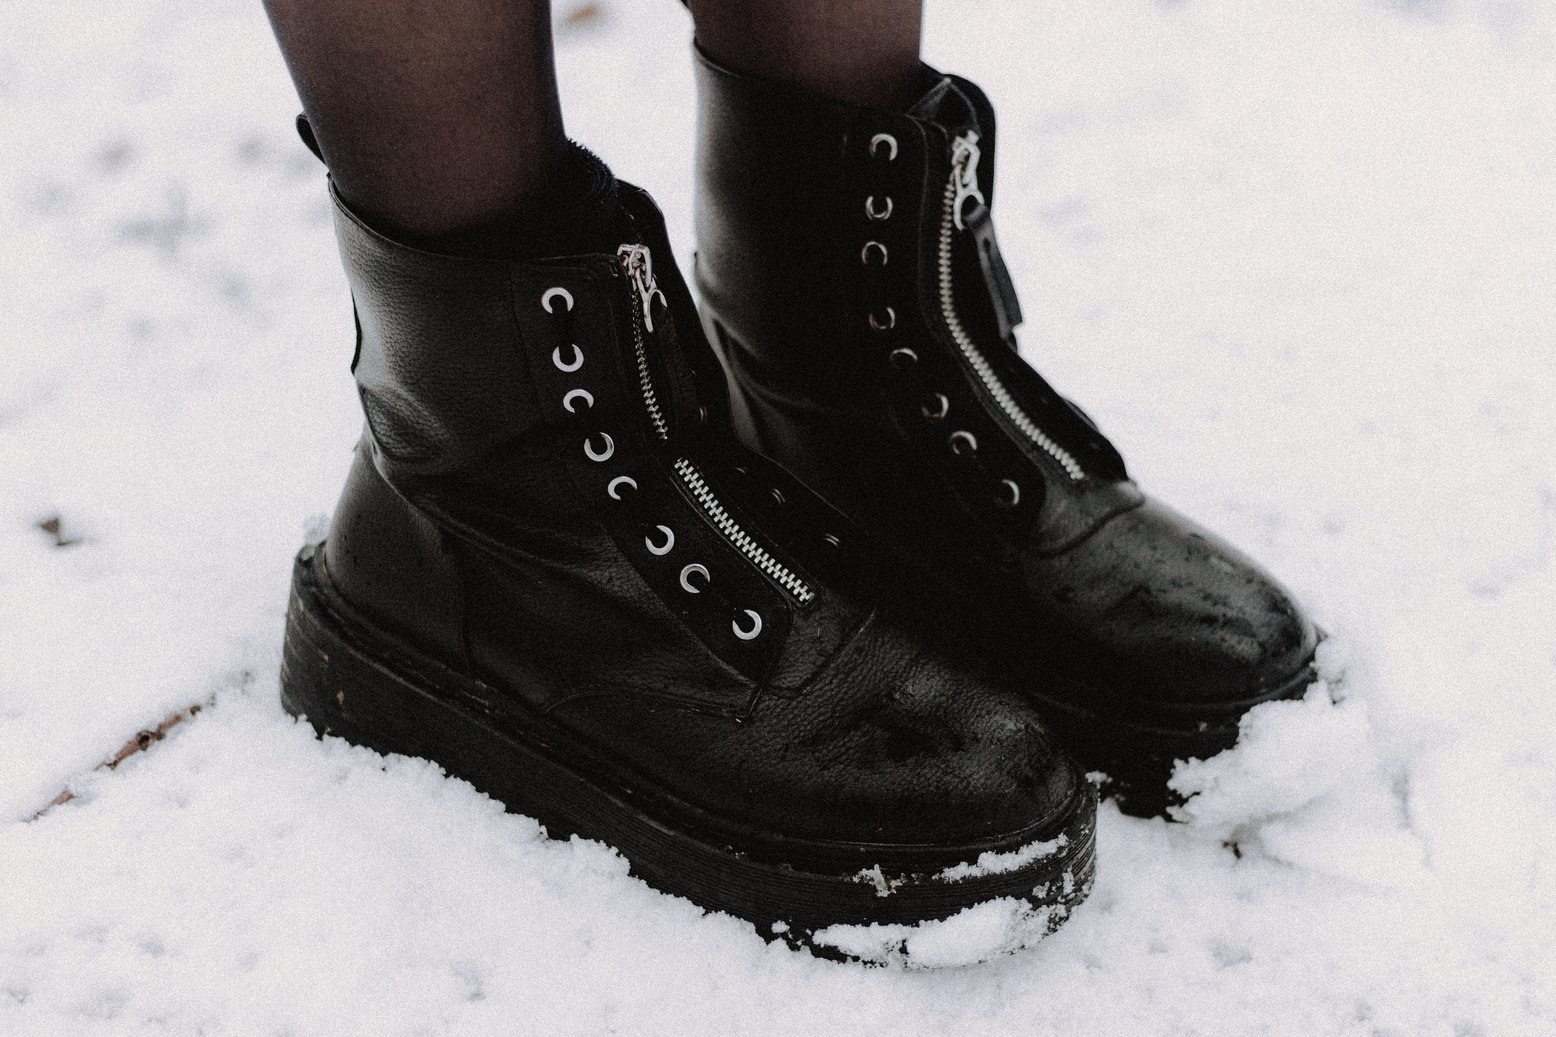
(358, 682)
(1138, 755)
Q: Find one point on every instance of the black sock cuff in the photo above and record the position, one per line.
(579, 212)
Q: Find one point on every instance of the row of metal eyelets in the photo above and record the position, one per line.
(830, 540)
(937, 406)
(579, 401)
(885, 318)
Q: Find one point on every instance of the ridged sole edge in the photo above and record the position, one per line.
(353, 681)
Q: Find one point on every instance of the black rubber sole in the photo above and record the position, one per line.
(1136, 755)
(363, 684)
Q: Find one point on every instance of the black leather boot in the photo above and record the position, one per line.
(849, 274)
(555, 571)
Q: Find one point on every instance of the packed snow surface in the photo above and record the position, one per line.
(972, 936)
(1298, 259)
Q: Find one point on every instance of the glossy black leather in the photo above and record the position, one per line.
(475, 527)
(1144, 613)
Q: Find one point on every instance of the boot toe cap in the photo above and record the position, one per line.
(1183, 619)
(903, 743)
(956, 758)
(893, 745)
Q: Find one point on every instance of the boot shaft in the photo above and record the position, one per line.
(817, 221)
(436, 369)
(453, 353)
(550, 439)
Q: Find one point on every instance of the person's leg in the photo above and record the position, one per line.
(437, 118)
(864, 52)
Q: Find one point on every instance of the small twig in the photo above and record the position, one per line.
(142, 741)
(584, 14)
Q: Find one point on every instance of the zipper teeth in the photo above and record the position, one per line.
(737, 536)
(699, 487)
(975, 357)
(656, 415)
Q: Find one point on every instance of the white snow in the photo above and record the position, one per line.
(1297, 259)
(995, 863)
(875, 876)
(972, 936)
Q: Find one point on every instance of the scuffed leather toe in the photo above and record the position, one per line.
(965, 760)
(1174, 609)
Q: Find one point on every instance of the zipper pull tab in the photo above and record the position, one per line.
(996, 275)
(964, 173)
(639, 265)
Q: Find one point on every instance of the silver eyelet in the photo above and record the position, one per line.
(962, 442)
(1012, 495)
(556, 293)
(577, 394)
(903, 358)
(778, 497)
(877, 214)
(936, 407)
(831, 540)
(883, 138)
(686, 577)
(756, 626)
(573, 364)
(600, 455)
(664, 548)
(874, 247)
(887, 324)
(620, 480)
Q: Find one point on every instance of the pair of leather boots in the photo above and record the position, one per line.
(575, 562)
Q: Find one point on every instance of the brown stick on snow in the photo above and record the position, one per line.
(142, 741)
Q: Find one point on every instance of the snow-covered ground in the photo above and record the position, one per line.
(1298, 258)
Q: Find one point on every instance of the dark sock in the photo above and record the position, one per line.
(579, 213)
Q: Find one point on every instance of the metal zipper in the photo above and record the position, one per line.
(783, 576)
(638, 263)
(962, 185)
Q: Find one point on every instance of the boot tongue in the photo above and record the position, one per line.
(944, 104)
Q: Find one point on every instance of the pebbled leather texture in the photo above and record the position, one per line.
(828, 317)
(508, 516)
(428, 416)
